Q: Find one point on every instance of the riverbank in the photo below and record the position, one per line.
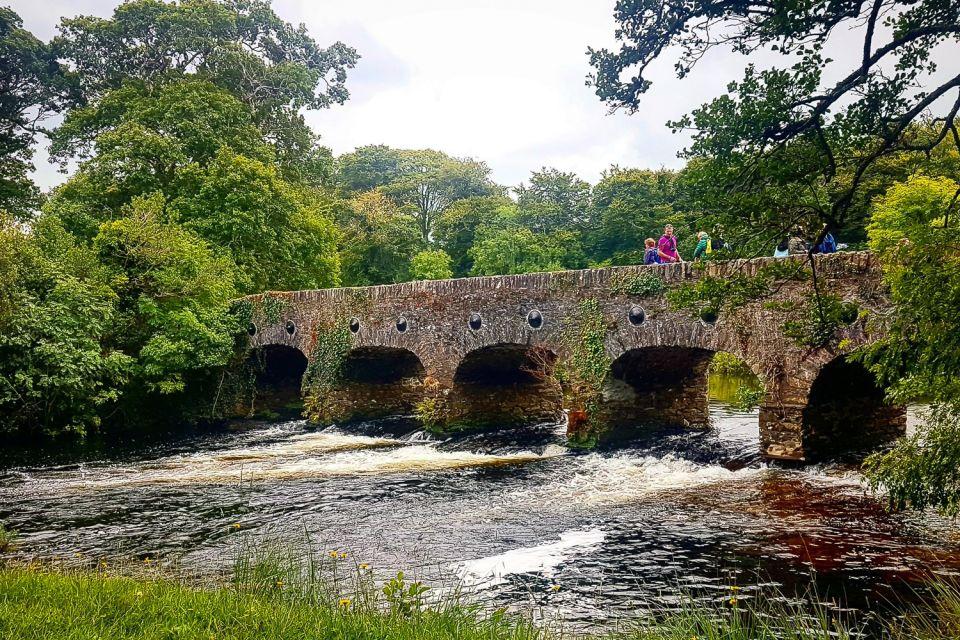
(39, 603)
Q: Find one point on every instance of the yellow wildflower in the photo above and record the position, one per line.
(147, 560)
(341, 555)
(734, 588)
(733, 601)
(280, 583)
(345, 603)
(235, 525)
(555, 587)
(334, 554)
(364, 566)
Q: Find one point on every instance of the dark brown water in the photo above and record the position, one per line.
(510, 514)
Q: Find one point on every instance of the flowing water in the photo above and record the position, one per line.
(512, 515)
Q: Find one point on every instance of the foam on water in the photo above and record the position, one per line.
(306, 455)
(543, 559)
(600, 479)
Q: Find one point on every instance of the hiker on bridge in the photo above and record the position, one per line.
(667, 246)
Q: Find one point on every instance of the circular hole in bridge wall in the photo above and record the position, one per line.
(402, 324)
(252, 329)
(291, 327)
(354, 325)
(636, 315)
(475, 321)
(535, 319)
(709, 316)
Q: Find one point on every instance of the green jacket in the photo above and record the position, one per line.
(701, 247)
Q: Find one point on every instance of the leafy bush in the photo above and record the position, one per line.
(641, 284)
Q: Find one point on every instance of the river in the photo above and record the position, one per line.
(514, 516)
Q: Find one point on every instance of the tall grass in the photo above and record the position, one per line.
(8, 539)
(271, 593)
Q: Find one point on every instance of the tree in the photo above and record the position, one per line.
(378, 242)
(423, 182)
(631, 205)
(914, 232)
(33, 86)
(56, 309)
(456, 228)
(430, 181)
(431, 265)
(368, 167)
(198, 146)
(554, 201)
(242, 46)
(787, 131)
(174, 296)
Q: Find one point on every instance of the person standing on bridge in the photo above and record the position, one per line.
(704, 246)
(667, 247)
(650, 253)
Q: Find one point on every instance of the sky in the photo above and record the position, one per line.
(501, 81)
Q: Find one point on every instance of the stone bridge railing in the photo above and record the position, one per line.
(469, 352)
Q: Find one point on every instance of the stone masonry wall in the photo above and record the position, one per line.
(431, 320)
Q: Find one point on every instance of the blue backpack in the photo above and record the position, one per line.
(829, 244)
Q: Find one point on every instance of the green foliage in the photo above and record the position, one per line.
(431, 265)
(324, 370)
(816, 322)
(272, 308)
(243, 47)
(631, 205)
(174, 296)
(423, 182)
(642, 284)
(554, 201)
(457, 227)
(914, 232)
(789, 148)
(727, 364)
(378, 242)
(405, 598)
(503, 246)
(922, 470)
(582, 369)
(8, 539)
(710, 296)
(56, 312)
(35, 85)
(429, 413)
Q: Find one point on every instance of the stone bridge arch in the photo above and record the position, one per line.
(375, 382)
(505, 384)
(278, 372)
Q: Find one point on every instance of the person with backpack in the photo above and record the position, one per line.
(827, 245)
(667, 246)
(650, 254)
(703, 245)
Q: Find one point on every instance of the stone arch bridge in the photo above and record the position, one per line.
(476, 352)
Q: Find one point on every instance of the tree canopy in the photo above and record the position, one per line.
(787, 131)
